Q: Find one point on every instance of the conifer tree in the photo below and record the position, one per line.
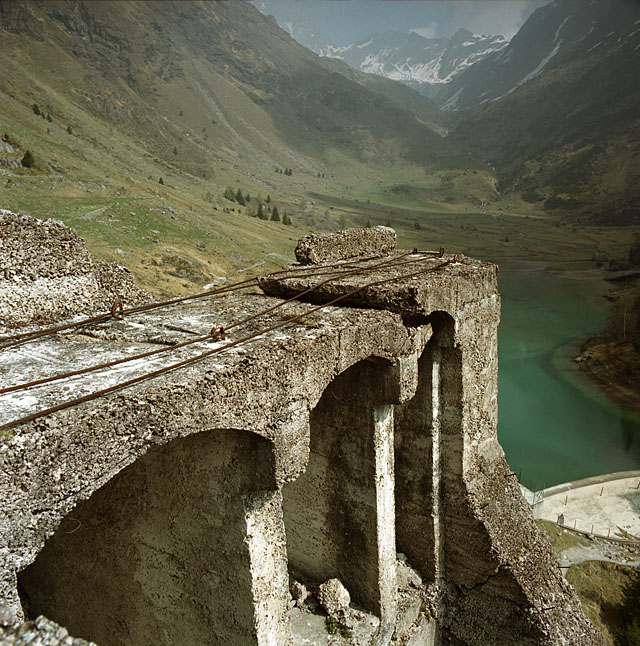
(275, 216)
(240, 198)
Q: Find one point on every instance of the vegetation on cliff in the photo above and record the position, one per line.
(612, 357)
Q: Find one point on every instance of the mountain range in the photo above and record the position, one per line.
(205, 97)
(112, 97)
(552, 112)
(557, 34)
(556, 111)
(425, 64)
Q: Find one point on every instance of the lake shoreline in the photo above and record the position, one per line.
(603, 357)
(556, 423)
(608, 380)
(604, 361)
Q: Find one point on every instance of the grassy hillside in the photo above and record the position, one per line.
(142, 115)
(599, 584)
(205, 97)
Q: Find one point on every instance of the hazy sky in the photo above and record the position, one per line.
(348, 21)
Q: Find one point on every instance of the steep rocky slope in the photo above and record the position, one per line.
(559, 119)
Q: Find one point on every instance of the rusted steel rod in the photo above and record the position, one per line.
(208, 353)
(17, 339)
(82, 371)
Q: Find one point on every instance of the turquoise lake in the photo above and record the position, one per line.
(554, 425)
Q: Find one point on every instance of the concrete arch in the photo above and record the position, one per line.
(336, 512)
(185, 545)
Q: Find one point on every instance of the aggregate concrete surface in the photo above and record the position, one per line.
(361, 429)
(47, 274)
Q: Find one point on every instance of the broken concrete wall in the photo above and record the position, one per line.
(306, 398)
(47, 274)
(472, 544)
(172, 550)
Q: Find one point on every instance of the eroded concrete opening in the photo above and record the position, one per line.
(184, 546)
(428, 451)
(336, 513)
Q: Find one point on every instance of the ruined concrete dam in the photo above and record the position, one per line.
(315, 431)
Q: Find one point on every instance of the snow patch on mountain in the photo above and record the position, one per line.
(373, 65)
(333, 51)
(415, 60)
(537, 71)
(422, 73)
(528, 77)
(559, 29)
(452, 103)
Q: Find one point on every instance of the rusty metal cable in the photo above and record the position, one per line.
(24, 337)
(394, 262)
(389, 263)
(18, 339)
(208, 353)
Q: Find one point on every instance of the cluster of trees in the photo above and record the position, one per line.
(256, 207)
(41, 113)
(284, 171)
(272, 214)
(28, 160)
(237, 196)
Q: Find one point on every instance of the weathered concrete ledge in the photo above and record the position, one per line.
(174, 511)
(318, 248)
(47, 274)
